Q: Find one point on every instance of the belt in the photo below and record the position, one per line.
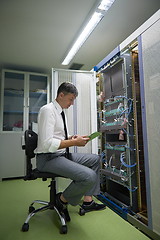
(55, 154)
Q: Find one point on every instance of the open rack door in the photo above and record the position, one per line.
(81, 117)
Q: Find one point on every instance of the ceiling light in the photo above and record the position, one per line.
(95, 19)
(105, 4)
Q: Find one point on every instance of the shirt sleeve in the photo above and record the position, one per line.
(46, 122)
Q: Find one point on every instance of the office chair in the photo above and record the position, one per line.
(30, 138)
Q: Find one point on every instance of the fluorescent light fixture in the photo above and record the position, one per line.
(94, 20)
(105, 4)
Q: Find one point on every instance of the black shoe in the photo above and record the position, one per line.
(62, 207)
(93, 207)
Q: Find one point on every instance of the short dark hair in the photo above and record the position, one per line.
(67, 87)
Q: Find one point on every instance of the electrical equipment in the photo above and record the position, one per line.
(118, 124)
(129, 143)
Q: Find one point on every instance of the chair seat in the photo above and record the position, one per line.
(35, 173)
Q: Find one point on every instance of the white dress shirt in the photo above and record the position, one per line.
(50, 128)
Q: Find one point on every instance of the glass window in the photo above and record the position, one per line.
(13, 101)
(37, 96)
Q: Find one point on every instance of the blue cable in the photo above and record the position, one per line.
(125, 164)
(129, 104)
(102, 155)
(132, 190)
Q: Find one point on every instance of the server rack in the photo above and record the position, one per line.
(128, 117)
(120, 121)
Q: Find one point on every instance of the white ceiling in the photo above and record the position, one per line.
(35, 35)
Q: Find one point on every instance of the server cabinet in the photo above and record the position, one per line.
(150, 91)
(118, 126)
(129, 120)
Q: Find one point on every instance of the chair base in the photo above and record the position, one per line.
(47, 205)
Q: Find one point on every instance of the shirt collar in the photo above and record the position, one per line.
(57, 106)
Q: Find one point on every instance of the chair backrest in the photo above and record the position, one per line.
(31, 139)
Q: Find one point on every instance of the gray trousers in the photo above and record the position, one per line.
(82, 169)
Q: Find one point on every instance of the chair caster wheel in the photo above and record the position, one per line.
(63, 229)
(25, 227)
(81, 212)
(31, 209)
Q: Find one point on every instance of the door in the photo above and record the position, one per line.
(37, 96)
(12, 115)
(81, 116)
(12, 101)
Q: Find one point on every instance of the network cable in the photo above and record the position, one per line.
(129, 103)
(122, 156)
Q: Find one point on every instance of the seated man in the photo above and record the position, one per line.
(53, 155)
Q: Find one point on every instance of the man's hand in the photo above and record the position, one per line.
(76, 140)
(80, 140)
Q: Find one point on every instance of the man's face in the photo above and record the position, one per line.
(66, 100)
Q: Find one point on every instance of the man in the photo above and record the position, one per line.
(53, 156)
